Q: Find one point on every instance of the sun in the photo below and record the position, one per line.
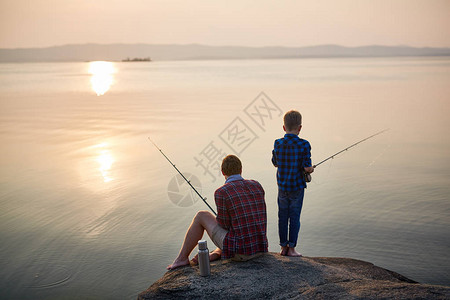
(102, 76)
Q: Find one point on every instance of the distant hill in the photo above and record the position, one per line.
(118, 52)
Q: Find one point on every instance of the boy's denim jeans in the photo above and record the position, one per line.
(289, 209)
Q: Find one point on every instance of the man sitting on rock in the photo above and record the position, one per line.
(239, 230)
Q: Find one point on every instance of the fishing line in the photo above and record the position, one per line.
(379, 155)
(188, 181)
(308, 175)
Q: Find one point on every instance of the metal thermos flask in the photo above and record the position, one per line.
(203, 258)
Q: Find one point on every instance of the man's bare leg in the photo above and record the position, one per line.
(291, 252)
(203, 220)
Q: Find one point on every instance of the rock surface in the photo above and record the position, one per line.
(273, 276)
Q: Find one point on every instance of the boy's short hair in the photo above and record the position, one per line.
(292, 119)
(231, 165)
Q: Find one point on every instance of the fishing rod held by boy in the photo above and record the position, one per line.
(308, 175)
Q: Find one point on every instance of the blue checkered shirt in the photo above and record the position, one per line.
(291, 154)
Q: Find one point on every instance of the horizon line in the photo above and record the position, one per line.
(224, 46)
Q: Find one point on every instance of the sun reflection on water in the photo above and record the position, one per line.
(105, 160)
(102, 76)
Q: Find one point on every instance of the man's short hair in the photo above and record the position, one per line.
(292, 119)
(231, 165)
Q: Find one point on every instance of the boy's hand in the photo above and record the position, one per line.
(309, 169)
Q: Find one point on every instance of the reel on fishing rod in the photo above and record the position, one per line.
(307, 176)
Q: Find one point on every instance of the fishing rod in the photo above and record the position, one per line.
(308, 175)
(201, 197)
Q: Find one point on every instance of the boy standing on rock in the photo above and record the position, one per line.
(292, 156)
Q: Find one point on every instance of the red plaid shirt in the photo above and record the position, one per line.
(241, 210)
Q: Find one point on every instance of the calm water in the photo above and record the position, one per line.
(90, 209)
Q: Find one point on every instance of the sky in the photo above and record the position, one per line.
(255, 23)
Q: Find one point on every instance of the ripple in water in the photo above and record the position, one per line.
(48, 277)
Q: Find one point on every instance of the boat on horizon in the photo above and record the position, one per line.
(137, 59)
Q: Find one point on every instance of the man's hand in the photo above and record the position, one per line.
(309, 169)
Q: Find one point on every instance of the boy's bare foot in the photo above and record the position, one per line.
(291, 252)
(284, 250)
(178, 263)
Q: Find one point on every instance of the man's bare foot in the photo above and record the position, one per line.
(178, 263)
(212, 257)
(284, 250)
(194, 260)
(215, 255)
(291, 252)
